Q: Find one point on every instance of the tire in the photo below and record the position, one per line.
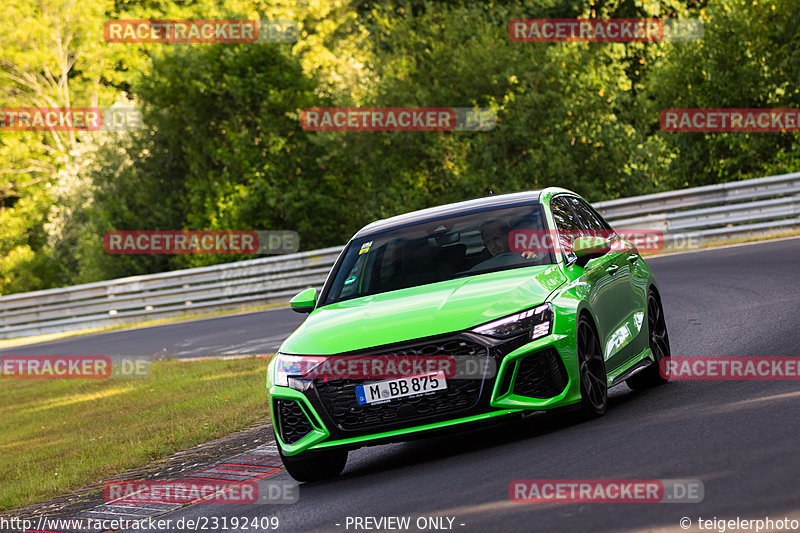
(592, 371)
(314, 466)
(659, 345)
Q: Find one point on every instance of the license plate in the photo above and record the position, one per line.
(383, 391)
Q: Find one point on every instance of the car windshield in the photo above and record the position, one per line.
(435, 251)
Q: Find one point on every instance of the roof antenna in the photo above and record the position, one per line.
(491, 192)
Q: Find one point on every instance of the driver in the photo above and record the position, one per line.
(495, 241)
(495, 238)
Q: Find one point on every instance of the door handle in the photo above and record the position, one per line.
(612, 269)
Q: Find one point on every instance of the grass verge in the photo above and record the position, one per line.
(61, 435)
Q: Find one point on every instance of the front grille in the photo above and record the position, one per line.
(541, 375)
(294, 424)
(338, 396)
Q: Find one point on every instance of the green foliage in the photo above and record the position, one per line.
(222, 150)
(749, 58)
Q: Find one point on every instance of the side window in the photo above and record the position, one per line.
(588, 220)
(566, 224)
(565, 219)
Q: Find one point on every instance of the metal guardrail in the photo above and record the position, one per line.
(762, 205)
(757, 206)
(218, 287)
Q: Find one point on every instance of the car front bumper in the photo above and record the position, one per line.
(533, 376)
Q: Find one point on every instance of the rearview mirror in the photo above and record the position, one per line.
(304, 301)
(588, 248)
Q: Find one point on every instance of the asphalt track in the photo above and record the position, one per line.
(740, 438)
(245, 334)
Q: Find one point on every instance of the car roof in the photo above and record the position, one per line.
(467, 207)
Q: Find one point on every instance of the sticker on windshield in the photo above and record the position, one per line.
(365, 248)
(349, 280)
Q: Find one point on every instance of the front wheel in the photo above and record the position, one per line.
(658, 372)
(592, 370)
(316, 465)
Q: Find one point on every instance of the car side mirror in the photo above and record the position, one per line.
(588, 248)
(304, 301)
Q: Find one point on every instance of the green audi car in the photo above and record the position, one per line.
(511, 304)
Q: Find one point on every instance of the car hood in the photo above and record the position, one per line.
(423, 311)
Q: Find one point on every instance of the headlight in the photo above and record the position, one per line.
(287, 366)
(538, 321)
